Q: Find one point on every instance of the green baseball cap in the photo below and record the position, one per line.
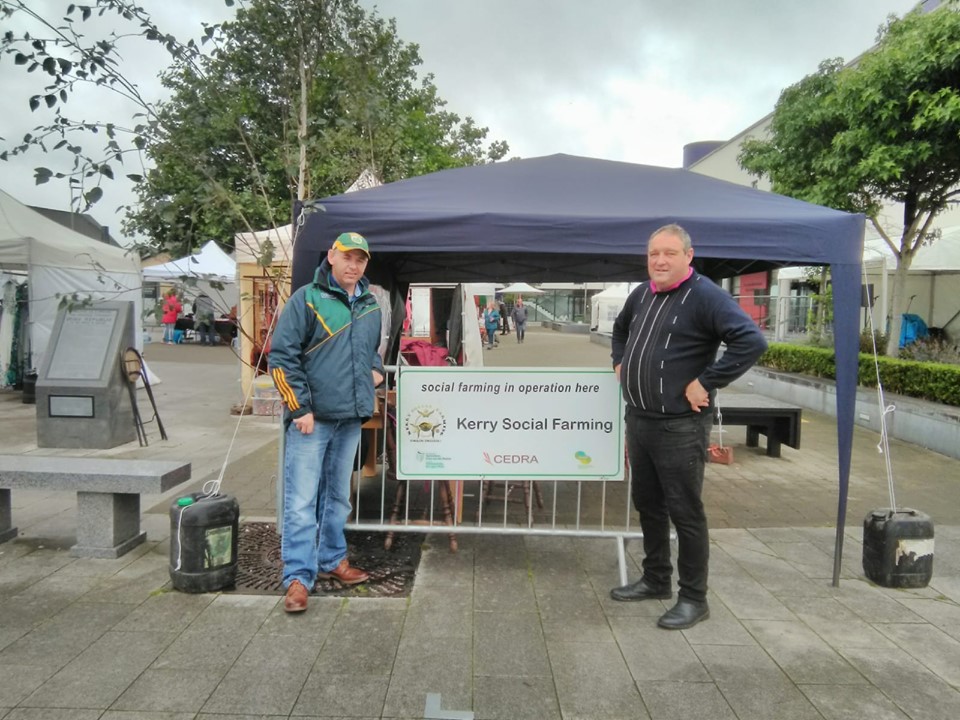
(348, 241)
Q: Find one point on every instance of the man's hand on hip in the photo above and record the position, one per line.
(697, 396)
(304, 423)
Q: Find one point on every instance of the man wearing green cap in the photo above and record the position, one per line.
(325, 365)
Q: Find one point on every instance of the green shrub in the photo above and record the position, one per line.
(937, 382)
(931, 350)
(866, 343)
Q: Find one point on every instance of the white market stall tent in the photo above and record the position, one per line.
(209, 263)
(200, 274)
(606, 305)
(57, 262)
(521, 288)
(933, 283)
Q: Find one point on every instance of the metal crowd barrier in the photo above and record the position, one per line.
(570, 508)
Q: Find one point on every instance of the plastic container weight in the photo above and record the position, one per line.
(203, 542)
(898, 548)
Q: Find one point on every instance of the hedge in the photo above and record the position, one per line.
(938, 382)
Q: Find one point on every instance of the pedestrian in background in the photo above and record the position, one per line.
(491, 321)
(170, 311)
(520, 319)
(203, 321)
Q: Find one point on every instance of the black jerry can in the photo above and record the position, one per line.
(898, 548)
(203, 542)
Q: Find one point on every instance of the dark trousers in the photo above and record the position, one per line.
(667, 459)
(206, 332)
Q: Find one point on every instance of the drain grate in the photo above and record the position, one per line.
(260, 568)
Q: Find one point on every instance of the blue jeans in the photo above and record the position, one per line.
(667, 459)
(316, 497)
(205, 331)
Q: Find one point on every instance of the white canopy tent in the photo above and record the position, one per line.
(250, 246)
(60, 262)
(520, 288)
(933, 282)
(208, 263)
(202, 274)
(606, 305)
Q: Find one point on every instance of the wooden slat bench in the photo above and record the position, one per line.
(779, 421)
(108, 495)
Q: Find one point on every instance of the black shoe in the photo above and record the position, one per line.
(641, 590)
(685, 614)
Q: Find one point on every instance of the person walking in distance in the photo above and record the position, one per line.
(520, 319)
(491, 321)
(664, 351)
(325, 365)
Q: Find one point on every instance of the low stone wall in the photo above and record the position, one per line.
(927, 424)
(566, 327)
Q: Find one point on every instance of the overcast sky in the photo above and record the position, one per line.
(631, 80)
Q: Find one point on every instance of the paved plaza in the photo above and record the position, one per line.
(508, 627)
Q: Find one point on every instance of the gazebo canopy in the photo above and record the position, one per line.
(562, 218)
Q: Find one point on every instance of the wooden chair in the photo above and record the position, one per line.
(489, 486)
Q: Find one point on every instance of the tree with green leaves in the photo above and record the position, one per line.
(294, 100)
(68, 62)
(883, 131)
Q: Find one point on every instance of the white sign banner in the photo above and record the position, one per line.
(509, 423)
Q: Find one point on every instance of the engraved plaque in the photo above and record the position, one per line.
(71, 406)
(81, 348)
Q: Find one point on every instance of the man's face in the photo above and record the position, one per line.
(667, 261)
(347, 267)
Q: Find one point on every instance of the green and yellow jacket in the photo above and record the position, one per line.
(324, 350)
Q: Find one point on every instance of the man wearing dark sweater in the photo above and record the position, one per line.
(664, 351)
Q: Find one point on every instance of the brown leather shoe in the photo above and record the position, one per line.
(296, 598)
(345, 574)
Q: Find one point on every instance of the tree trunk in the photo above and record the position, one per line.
(822, 303)
(302, 132)
(898, 304)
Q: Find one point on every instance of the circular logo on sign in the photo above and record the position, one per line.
(425, 421)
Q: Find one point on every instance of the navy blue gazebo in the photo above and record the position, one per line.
(562, 218)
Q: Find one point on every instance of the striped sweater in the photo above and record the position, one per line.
(663, 341)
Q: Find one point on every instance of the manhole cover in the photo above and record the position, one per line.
(260, 569)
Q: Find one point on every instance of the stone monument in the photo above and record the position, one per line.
(82, 396)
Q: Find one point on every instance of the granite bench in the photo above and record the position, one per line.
(108, 495)
(779, 421)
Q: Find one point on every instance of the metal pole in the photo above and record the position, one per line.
(280, 450)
